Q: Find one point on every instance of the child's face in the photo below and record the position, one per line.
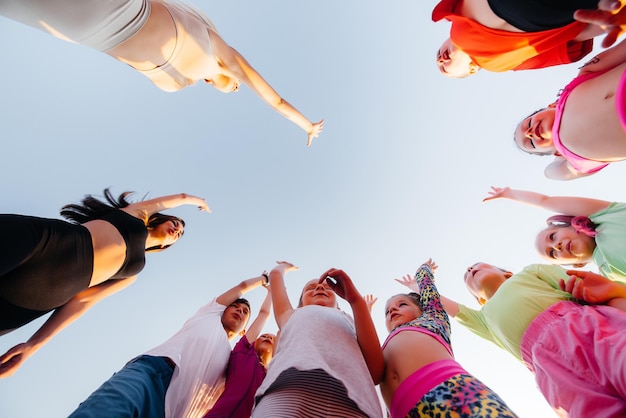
(265, 344)
(399, 310)
(565, 245)
(482, 280)
(235, 317)
(321, 294)
(534, 133)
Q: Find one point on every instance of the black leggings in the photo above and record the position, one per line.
(43, 263)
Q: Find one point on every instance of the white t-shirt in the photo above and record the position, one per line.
(200, 350)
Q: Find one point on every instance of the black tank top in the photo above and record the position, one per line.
(134, 233)
(539, 15)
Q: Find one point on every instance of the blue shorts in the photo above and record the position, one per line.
(136, 391)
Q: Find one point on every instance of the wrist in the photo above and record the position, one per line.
(266, 278)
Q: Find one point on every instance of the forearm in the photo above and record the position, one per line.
(159, 204)
(239, 290)
(280, 298)
(368, 340)
(450, 306)
(60, 319)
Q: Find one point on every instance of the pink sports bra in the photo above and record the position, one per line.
(581, 164)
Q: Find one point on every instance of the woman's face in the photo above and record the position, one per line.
(168, 232)
(565, 245)
(534, 133)
(399, 310)
(321, 294)
(453, 62)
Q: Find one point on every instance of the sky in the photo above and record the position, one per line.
(397, 176)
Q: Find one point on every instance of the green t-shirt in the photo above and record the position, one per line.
(610, 252)
(505, 317)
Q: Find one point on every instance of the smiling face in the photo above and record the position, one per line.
(400, 309)
(483, 280)
(565, 245)
(453, 62)
(534, 133)
(315, 293)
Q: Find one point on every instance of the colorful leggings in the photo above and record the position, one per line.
(461, 395)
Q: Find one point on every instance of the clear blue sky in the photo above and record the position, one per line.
(397, 176)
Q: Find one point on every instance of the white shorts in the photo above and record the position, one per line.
(98, 24)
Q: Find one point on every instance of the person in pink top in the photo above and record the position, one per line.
(585, 130)
(422, 378)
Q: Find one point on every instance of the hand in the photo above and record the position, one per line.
(496, 193)
(314, 132)
(609, 17)
(430, 263)
(370, 301)
(202, 205)
(591, 287)
(13, 359)
(285, 266)
(409, 281)
(341, 284)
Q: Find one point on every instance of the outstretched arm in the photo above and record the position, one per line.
(567, 205)
(280, 299)
(595, 289)
(238, 291)
(158, 204)
(60, 318)
(366, 334)
(235, 65)
(254, 330)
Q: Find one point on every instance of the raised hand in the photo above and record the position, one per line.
(341, 284)
(607, 17)
(314, 132)
(496, 193)
(430, 263)
(370, 301)
(408, 281)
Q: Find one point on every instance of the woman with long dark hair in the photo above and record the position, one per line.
(66, 267)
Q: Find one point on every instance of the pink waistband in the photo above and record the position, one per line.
(541, 324)
(620, 100)
(414, 387)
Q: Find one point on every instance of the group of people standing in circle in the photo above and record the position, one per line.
(565, 325)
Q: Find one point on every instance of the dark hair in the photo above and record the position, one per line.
(91, 209)
(549, 152)
(579, 223)
(241, 300)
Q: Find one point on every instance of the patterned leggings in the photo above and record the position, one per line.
(461, 396)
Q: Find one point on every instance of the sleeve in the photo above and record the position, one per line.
(563, 54)
(430, 300)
